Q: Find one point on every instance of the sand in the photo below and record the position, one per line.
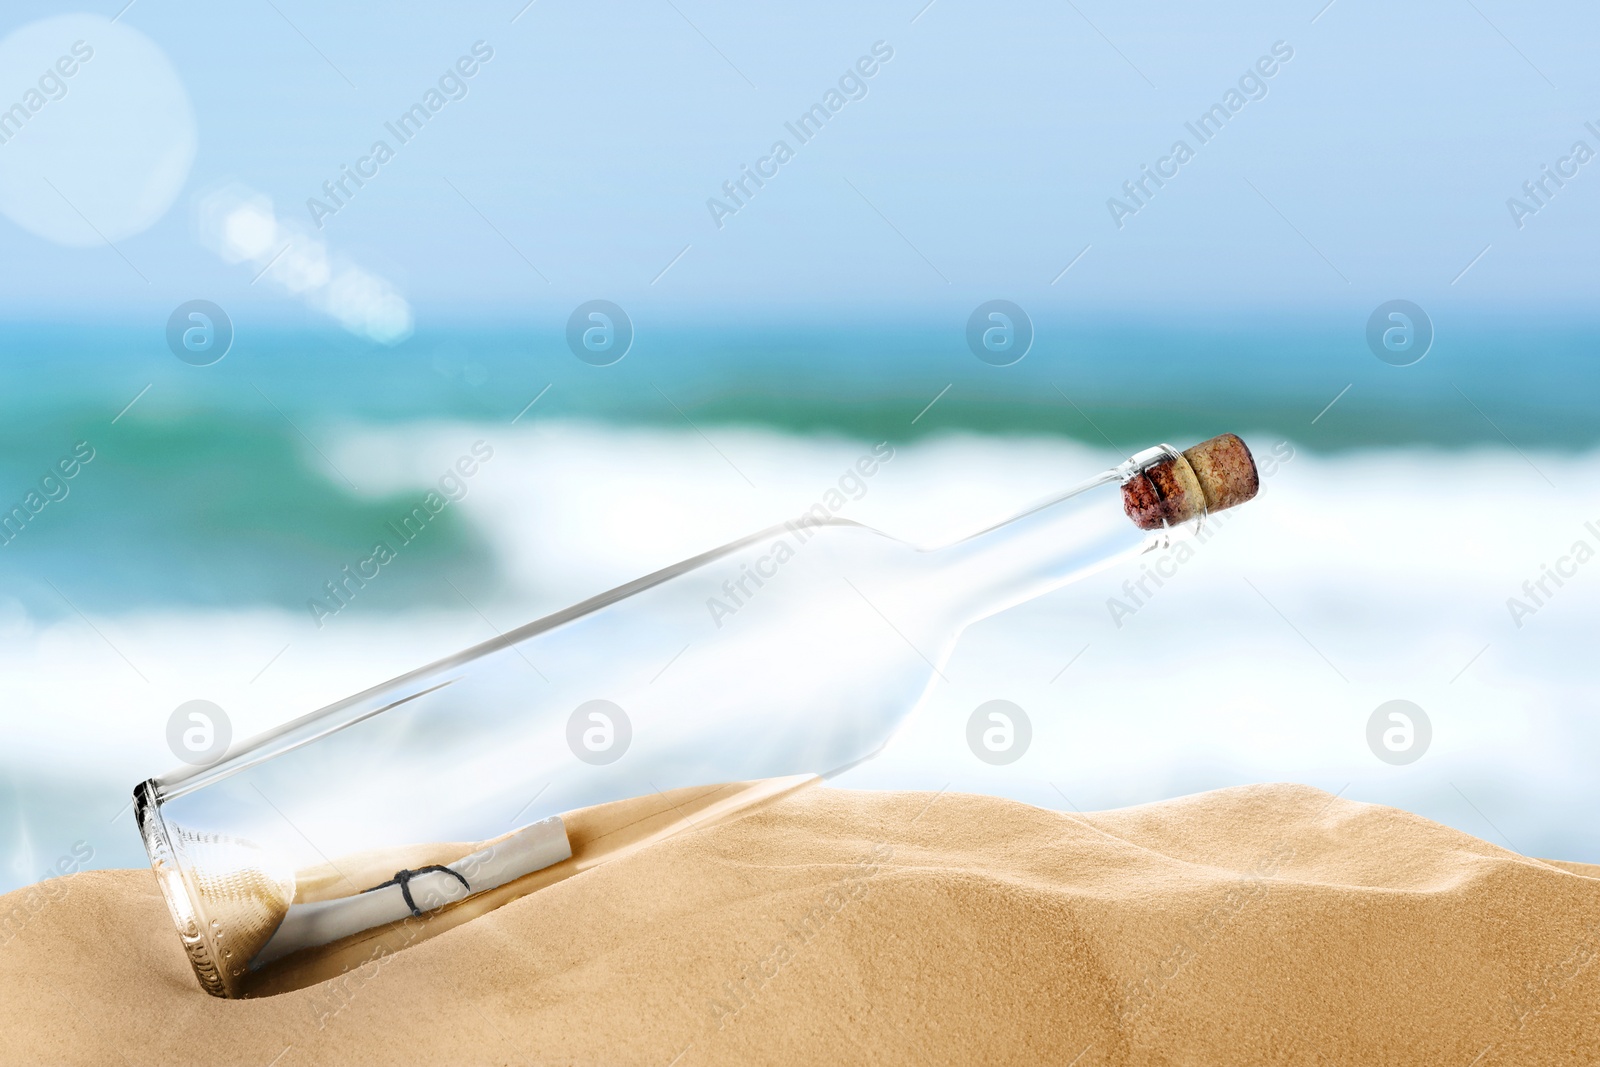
(1268, 924)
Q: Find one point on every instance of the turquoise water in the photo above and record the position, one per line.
(213, 487)
(1536, 379)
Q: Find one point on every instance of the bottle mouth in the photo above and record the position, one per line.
(1165, 487)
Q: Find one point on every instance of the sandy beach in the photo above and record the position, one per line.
(1265, 924)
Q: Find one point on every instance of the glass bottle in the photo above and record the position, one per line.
(686, 695)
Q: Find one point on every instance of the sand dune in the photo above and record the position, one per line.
(1270, 924)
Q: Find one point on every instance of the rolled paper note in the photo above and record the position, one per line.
(322, 922)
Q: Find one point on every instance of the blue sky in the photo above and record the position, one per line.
(978, 163)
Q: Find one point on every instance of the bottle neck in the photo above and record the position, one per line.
(1053, 544)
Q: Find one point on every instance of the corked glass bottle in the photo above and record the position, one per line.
(686, 695)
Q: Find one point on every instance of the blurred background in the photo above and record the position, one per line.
(269, 269)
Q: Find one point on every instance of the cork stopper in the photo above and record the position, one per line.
(1211, 476)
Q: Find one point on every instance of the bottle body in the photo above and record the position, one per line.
(793, 653)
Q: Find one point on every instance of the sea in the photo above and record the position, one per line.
(1402, 547)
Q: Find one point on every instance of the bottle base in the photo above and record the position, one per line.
(597, 835)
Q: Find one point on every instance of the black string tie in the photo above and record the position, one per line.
(403, 880)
